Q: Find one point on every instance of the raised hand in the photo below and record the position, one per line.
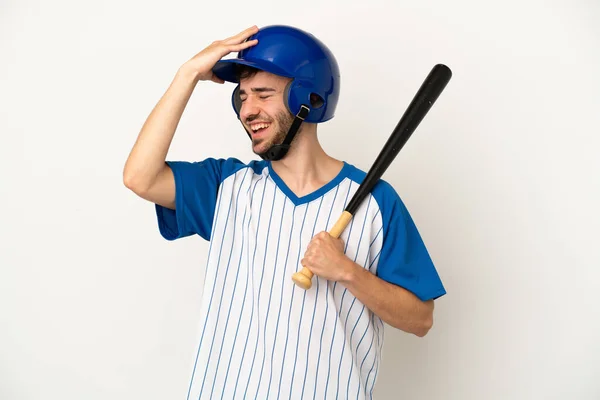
(202, 63)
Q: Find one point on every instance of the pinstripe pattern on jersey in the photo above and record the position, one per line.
(261, 337)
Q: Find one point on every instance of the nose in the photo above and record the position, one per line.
(249, 109)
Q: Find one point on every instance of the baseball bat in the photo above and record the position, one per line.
(430, 89)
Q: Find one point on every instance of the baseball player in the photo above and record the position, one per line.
(260, 336)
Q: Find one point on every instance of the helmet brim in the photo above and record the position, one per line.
(226, 69)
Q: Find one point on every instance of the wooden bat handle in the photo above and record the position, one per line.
(303, 278)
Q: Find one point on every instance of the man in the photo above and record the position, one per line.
(261, 336)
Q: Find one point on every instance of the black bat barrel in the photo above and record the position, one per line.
(420, 105)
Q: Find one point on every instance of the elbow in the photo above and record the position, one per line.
(128, 176)
(129, 181)
(133, 183)
(424, 326)
(419, 326)
(425, 323)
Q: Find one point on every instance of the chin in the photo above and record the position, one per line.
(260, 148)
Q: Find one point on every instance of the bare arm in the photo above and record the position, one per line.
(395, 305)
(146, 172)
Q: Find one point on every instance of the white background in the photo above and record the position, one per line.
(502, 178)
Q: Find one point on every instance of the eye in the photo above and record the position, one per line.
(265, 97)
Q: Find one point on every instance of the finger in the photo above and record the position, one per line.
(243, 35)
(242, 46)
(305, 264)
(324, 235)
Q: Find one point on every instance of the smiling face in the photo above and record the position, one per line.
(263, 112)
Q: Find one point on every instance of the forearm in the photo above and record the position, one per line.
(396, 306)
(148, 155)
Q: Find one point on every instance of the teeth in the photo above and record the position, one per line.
(259, 126)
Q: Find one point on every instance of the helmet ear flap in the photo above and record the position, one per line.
(287, 96)
(236, 102)
(299, 93)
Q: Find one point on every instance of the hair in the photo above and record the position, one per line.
(244, 71)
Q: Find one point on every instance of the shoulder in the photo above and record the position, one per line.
(218, 168)
(232, 165)
(383, 192)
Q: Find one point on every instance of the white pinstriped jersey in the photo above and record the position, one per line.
(261, 337)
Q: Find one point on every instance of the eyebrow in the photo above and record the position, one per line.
(259, 90)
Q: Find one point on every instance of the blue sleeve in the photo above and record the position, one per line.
(196, 190)
(404, 259)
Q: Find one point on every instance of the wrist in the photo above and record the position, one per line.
(352, 272)
(187, 73)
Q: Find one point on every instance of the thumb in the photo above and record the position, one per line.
(215, 79)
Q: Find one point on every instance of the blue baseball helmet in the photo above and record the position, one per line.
(293, 53)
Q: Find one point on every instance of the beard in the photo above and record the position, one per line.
(284, 122)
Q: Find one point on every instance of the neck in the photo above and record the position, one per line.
(306, 167)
